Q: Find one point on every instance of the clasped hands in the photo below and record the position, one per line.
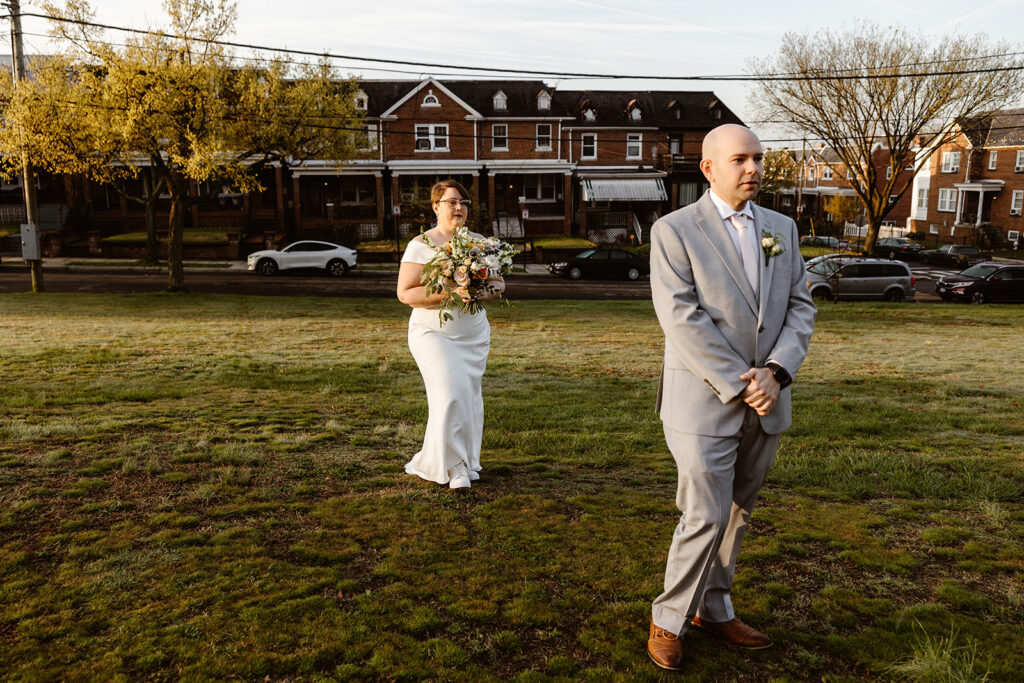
(462, 292)
(762, 390)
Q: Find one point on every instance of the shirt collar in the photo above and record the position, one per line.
(725, 210)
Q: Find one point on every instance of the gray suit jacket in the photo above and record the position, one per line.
(715, 329)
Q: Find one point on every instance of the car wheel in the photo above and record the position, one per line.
(575, 273)
(337, 267)
(267, 267)
(821, 293)
(978, 298)
(633, 273)
(894, 295)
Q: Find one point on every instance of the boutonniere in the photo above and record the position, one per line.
(771, 244)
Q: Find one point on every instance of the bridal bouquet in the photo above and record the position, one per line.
(466, 261)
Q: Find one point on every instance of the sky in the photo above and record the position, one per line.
(634, 37)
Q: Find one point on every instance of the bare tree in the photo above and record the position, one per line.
(780, 171)
(875, 85)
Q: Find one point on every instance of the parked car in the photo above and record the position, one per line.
(897, 247)
(956, 255)
(860, 278)
(983, 282)
(819, 241)
(333, 258)
(602, 263)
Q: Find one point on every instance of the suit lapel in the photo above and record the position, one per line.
(711, 224)
(761, 223)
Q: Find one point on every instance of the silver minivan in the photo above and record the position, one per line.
(842, 276)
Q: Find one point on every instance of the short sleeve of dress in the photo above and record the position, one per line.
(417, 252)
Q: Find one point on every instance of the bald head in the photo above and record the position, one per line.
(732, 161)
(726, 136)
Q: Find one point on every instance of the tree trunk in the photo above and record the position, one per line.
(872, 236)
(175, 269)
(150, 193)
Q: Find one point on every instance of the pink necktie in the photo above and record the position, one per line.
(748, 252)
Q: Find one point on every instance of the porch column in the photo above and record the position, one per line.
(297, 202)
(396, 198)
(380, 204)
(959, 206)
(981, 205)
(279, 191)
(492, 214)
(567, 204)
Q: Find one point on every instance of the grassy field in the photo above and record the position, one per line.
(210, 487)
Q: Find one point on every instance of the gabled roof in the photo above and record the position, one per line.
(430, 83)
(521, 97)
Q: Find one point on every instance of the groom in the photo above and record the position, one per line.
(729, 290)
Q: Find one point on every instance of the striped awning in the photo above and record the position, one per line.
(624, 189)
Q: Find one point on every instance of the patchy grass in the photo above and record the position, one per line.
(205, 487)
(190, 236)
(136, 263)
(562, 243)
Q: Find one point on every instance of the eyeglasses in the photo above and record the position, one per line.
(452, 203)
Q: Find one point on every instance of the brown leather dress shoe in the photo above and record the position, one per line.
(735, 633)
(664, 648)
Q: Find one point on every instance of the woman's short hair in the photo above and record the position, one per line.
(438, 190)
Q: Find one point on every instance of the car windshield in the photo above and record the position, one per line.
(827, 266)
(585, 254)
(979, 271)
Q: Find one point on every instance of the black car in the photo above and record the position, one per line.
(602, 263)
(819, 241)
(987, 281)
(897, 248)
(956, 255)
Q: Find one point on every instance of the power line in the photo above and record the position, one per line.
(829, 75)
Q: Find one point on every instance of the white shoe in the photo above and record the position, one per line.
(473, 476)
(459, 476)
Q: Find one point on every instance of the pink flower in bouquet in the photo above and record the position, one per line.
(462, 276)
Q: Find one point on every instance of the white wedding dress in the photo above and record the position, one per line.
(452, 360)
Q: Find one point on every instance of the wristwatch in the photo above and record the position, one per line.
(781, 375)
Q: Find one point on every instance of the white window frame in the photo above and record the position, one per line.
(635, 114)
(826, 173)
(993, 159)
(922, 197)
(538, 182)
(589, 115)
(541, 147)
(361, 100)
(592, 144)
(496, 136)
(950, 162)
(430, 100)
(888, 172)
(370, 141)
(1017, 202)
(500, 101)
(634, 145)
(947, 200)
(543, 101)
(431, 132)
(1018, 166)
(811, 173)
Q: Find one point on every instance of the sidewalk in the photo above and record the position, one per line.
(133, 266)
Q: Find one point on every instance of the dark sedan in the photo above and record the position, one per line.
(602, 263)
(897, 248)
(819, 241)
(956, 255)
(984, 282)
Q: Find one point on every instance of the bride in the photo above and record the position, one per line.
(452, 358)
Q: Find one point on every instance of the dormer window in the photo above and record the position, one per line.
(676, 109)
(589, 114)
(361, 100)
(633, 111)
(500, 101)
(430, 100)
(543, 101)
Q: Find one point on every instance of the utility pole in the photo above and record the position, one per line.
(27, 175)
